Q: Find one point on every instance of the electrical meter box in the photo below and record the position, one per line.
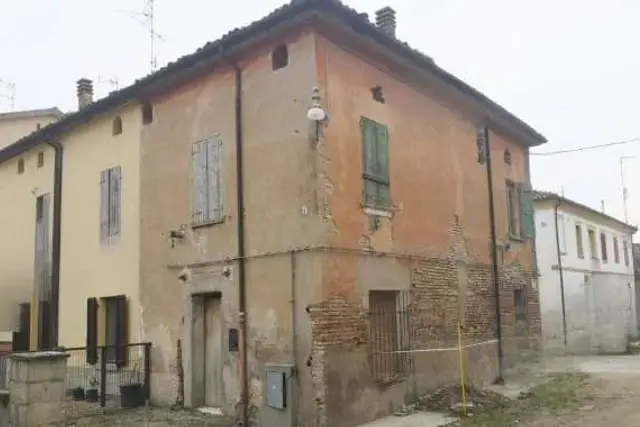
(278, 395)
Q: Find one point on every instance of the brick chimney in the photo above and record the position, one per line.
(85, 92)
(386, 20)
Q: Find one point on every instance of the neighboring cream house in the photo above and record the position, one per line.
(21, 182)
(16, 124)
(252, 207)
(66, 186)
(587, 255)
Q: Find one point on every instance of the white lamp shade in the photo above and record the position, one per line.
(316, 113)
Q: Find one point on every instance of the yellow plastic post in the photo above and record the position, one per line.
(462, 385)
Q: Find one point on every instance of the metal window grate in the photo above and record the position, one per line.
(4, 373)
(389, 334)
(520, 305)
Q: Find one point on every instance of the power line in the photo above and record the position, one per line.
(589, 147)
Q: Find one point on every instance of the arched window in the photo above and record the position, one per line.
(20, 165)
(117, 125)
(280, 57)
(147, 113)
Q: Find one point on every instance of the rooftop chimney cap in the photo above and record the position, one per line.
(386, 20)
(84, 89)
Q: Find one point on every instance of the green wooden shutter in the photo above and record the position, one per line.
(383, 199)
(527, 219)
(368, 132)
(382, 152)
(369, 161)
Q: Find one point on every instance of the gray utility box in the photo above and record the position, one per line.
(279, 394)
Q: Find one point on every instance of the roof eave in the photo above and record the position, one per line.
(238, 39)
(632, 229)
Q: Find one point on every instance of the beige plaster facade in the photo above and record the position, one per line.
(280, 210)
(312, 258)
(18, 192)
(89, 268)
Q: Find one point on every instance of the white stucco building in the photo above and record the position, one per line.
(587, 256)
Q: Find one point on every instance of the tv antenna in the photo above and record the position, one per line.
(8, 91)
(110, 80)
(147, 18)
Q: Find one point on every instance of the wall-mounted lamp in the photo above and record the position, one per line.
(316, 115)
(315, 112)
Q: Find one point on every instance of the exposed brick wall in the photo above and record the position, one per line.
(443, 292)
(437, 295)
(338, 323)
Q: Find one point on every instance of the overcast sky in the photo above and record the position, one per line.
(570, 68)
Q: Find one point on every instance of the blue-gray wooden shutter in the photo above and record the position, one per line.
(46, 253)
(115, 189)
(199, 182)
(214, 167)
(104, 205)
(527, 217)
(41, 256)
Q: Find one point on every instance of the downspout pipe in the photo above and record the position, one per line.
(242, 292)
(294, 333)
(494, 257)
(560, 271)
(56, 238)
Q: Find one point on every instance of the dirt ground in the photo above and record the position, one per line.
(611, 397)
(151, 417)
(585, 392)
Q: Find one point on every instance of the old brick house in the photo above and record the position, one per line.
(363, 237)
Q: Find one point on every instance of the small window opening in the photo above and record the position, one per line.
(579, 243)
(507, 157)
(591, 233)
(40, 159)
(20, 165)
(280, 57)
(377, 94)
(117, 125)
(603, 247)
(520, 305)
(147, 113)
